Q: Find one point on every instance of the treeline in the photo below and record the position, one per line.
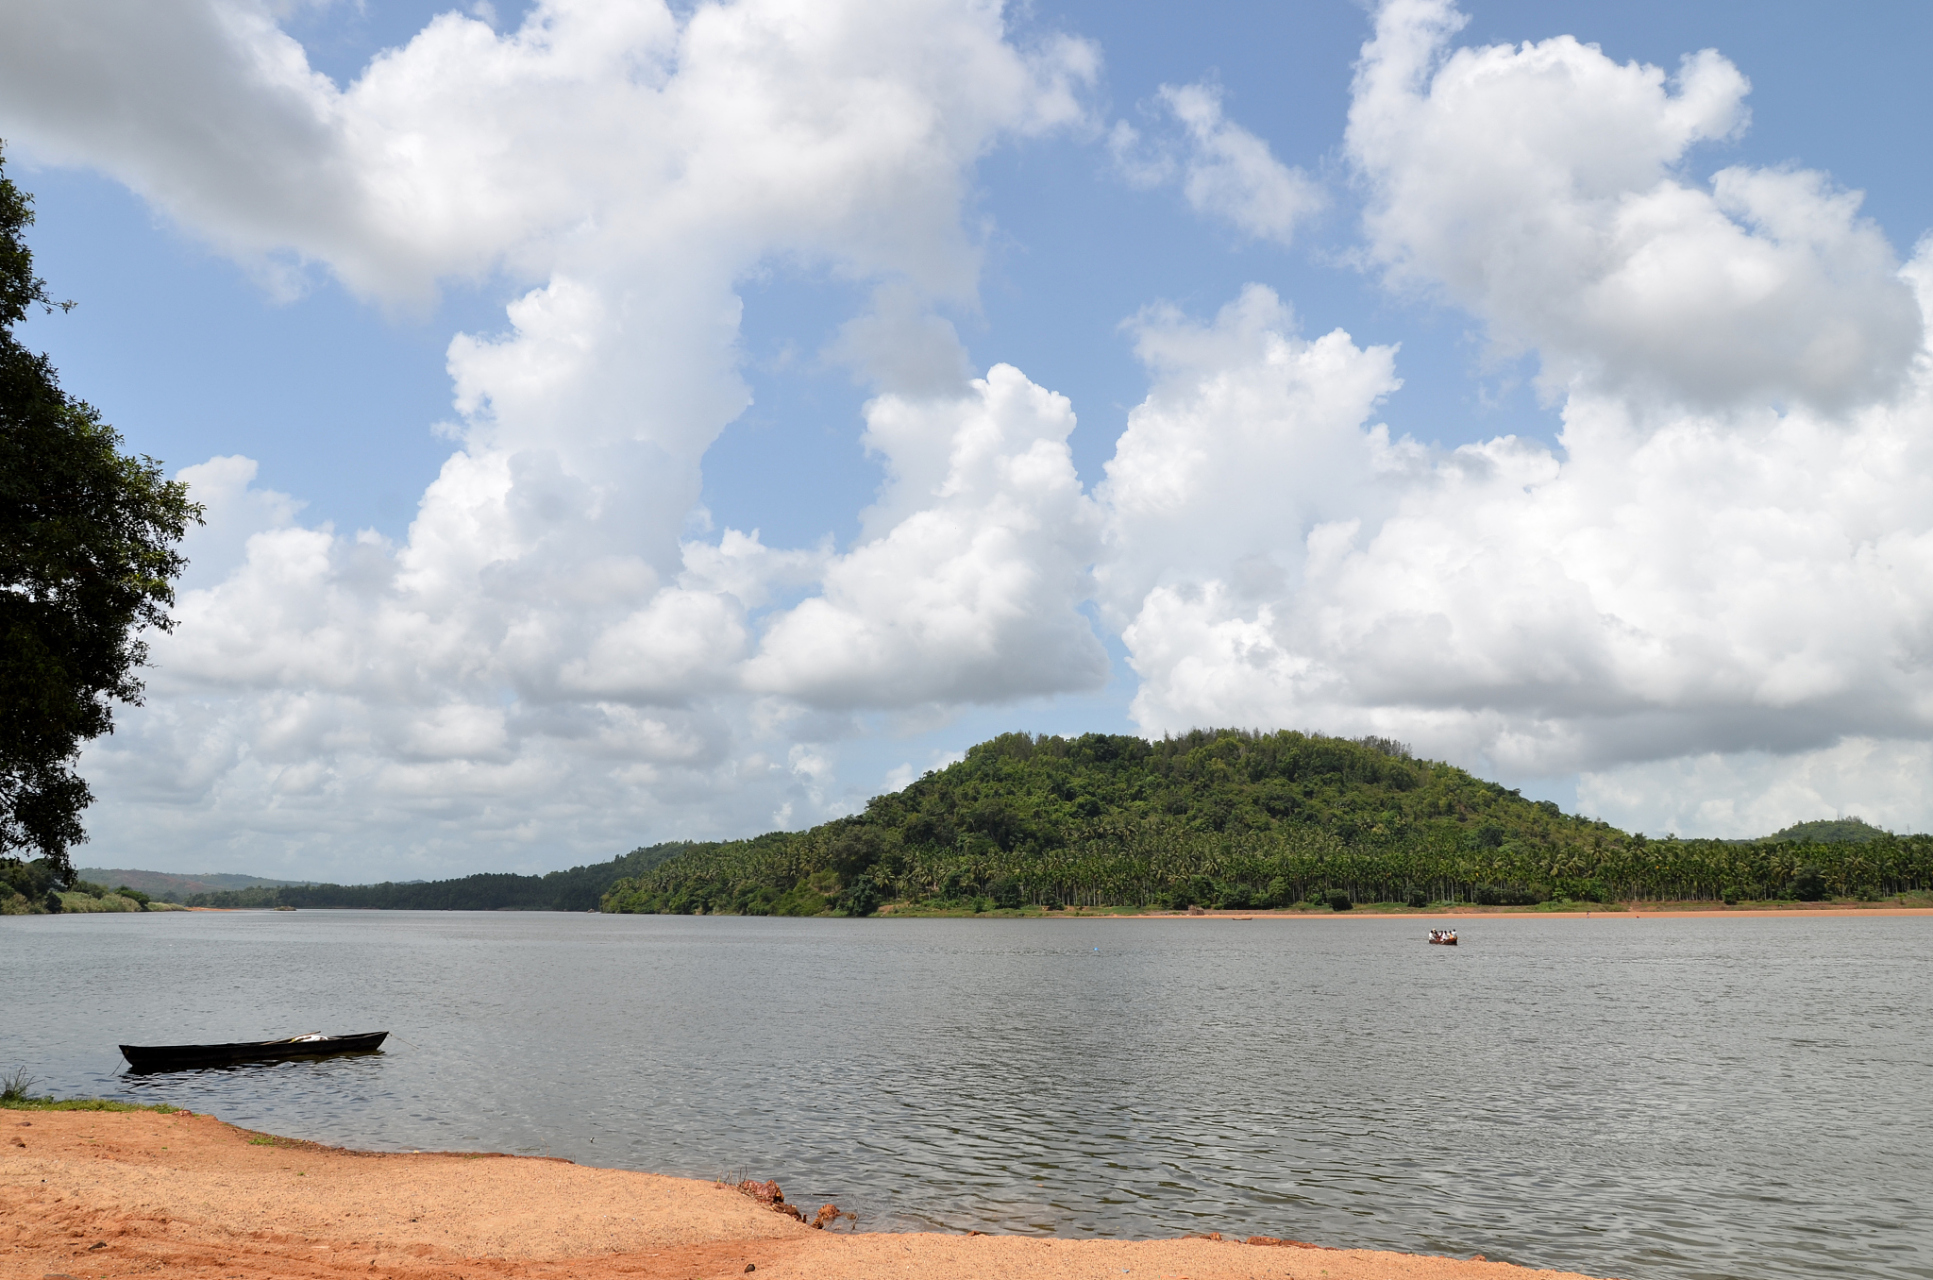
(578, 889)
(1227, 818)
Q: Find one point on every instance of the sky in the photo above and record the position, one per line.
(621, 423)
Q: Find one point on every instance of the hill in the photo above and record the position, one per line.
(1831, 831)
(578, 889)
(170, 887)
(1229, 818)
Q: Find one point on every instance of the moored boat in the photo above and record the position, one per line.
(174, 1057)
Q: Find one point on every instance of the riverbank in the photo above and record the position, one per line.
(1916, 905)
(90, 1193)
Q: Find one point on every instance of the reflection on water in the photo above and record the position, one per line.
(1682, 1098)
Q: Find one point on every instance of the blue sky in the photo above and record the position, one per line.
(221, 318)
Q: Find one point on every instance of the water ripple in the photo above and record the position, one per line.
(1692, 1099)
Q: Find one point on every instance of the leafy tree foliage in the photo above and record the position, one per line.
(87, 562)
(1831, 831)
(1228, 818)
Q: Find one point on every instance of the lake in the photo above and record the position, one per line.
(1652, 1097)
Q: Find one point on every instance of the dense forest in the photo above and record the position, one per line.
(1217, 818)
(1228, 818)
(578, 889)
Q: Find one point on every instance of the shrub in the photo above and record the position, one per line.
(1498, 895)
(16, 1087)
(1233, 897)
(800, 900)
(1339, 901)
(861, 897)
(1808, 885)
(1416, 899)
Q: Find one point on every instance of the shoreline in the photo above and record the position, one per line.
(113, 1192)
(1462, 911)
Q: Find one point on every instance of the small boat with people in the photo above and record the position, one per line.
(177, 1057)
(1443, 937)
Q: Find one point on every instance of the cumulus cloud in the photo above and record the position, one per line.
(1756, 793)
(234, 511)
(1722, 576)
(969, 592)
(1727, 559)
(544, 638)
(1545, 188)
(1224, 170)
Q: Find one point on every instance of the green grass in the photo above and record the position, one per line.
(16, 1095)
(82, 1104)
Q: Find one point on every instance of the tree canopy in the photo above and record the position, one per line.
(88, 558)
(1231, 818)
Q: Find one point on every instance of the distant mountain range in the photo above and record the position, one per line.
(577, 889)
(170, 887)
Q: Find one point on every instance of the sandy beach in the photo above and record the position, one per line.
(89, 1194)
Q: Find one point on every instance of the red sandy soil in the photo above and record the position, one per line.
(1628, 911)
(87, 1194)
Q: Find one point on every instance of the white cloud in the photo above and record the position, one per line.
(1543, 187)
(1724, 575)
(544, 643)
(969, 590)
(1732, 553)
(1703, 584)
(1224, 170)
(1249, 435)
(234, 511)
(1756, 793)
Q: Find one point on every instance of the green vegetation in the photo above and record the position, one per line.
(29, 888)
(578, 889)
(1831, 831)
(16, 1094)
(78, 901)
(1232, 819)
(88, 559)
(36, 888)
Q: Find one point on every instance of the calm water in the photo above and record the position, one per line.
(1646, 1098)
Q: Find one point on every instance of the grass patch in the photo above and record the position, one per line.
(16, 1094)
(82, 1104)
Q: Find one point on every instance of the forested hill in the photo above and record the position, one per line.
(577, 889)
(1227, 818)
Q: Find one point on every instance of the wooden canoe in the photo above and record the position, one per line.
(173, 1057)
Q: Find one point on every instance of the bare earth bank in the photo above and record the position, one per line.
(97, 1194)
